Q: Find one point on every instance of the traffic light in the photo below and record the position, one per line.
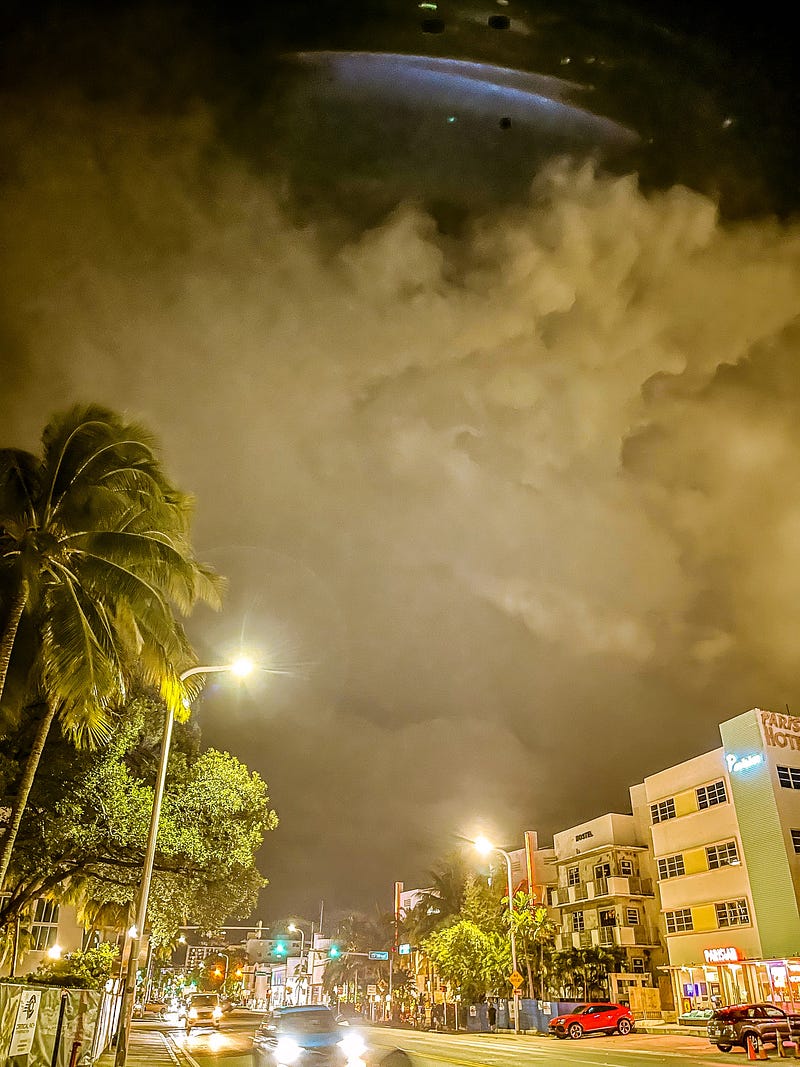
(280, 949)
(334, 952)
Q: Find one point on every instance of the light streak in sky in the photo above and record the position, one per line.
(481, 90)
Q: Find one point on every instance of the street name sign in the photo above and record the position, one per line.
(376, 954)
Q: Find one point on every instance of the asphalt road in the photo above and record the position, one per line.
(231, 1048)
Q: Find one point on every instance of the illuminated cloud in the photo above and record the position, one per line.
(528, 485)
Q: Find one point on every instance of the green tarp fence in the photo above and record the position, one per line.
(86, 1025)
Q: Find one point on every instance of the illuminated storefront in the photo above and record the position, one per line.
(726, 977)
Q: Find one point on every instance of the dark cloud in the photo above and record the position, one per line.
(510, 506)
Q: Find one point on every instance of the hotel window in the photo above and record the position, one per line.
(602, 870)
(722, 855)
(671, 867)
(577, 922)
(789, 777)
(573, 875)
(637, 965)
(732, 913)
(680, 921)
(44, 929)
(663, 810)
(626, 868)
(632, 916)
(796, 840)
(709, 795)
(608, 917)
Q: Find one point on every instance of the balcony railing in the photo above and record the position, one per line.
(611, 886)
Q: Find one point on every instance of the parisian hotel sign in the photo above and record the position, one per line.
(781, 731)
(721, 955)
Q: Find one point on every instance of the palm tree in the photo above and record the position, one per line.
(356, 935)
(95, 558)
(442, 901)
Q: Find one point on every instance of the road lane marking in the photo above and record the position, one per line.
(192, 1061)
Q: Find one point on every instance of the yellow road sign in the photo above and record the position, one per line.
(516, 979)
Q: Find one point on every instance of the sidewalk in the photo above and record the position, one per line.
(148, 1047)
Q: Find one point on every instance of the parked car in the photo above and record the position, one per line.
(201, 1009)
(307, 1034)
(729, 1027)
(593, 1018)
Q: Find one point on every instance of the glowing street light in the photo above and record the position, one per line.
(221, 974)
(54, 952)
(293, 928)
(484, 846)
(240, 667)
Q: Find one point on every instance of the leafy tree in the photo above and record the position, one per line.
(442, 901)
(89, 969)
(484, 906)
(355, 935)
(219, 972)
(95, 558)
(83, 835)
(473, 954)
(472, 961)
(535, 937)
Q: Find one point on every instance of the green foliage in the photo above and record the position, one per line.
(358, 934)
(484, 906)
(84, 834)
(474, 962)
(584, 972)
(439, 904)
(535, 935)
(94, 538)
(95, 562)
(82, 970)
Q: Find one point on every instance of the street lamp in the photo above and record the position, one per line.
(295, 929)
(240, 667)
(227, 968)
(484, 846)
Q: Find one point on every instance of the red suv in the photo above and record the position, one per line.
(593, 1018)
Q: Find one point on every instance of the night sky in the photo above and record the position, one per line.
(477, 345)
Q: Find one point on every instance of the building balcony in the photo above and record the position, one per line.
(607, 936)
(613, 886)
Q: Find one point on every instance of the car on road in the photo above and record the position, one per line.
(730, 1027)
(307, 1034)
(201, 1009)
(594, 1018)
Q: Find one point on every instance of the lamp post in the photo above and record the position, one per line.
(485, 847)
(227, 968)
(295, 929)
(241, 668)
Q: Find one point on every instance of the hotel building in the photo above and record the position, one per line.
(725, 833)
(605, 896)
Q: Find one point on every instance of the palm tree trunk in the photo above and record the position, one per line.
(21, 798)
(10, 634)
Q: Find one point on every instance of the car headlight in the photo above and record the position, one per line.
(287, 1050)
(192, 1013)
(217, 1013)
(353, 1045)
